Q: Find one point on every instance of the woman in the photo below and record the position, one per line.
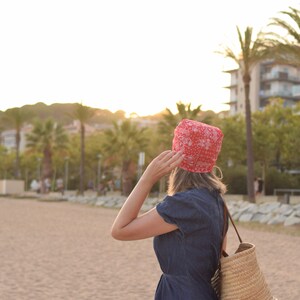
(188, 225)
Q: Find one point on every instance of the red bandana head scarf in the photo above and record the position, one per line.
(200, 143)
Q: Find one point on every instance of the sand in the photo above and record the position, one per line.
(62, 250)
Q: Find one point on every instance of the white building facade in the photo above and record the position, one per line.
(268, 80)
(8, 138)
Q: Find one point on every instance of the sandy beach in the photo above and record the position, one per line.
(60, 250)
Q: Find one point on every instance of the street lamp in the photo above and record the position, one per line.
(99, 156)
(141, 163)
(66, 172)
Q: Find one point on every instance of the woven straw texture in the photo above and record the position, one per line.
(240, 277)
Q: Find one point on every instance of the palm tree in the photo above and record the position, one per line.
(16, 118)
(124, 142)
(170, 120)
(251, 53)
(83, 114)
(167, 125)
(45, 138)
(287, 47)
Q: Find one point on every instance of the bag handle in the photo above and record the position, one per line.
(232, 222)
(226, 212)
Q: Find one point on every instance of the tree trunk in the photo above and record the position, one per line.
(46, 171)
(250, 159)
(82, 160)
(127, 178)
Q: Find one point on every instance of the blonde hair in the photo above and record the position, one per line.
(181, 180)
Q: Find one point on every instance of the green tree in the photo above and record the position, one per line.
(4, 159)
(234, 143)
(30, 167)
(252, 51)
(263, 142)
(123, 143)
(276, 137)
(232, 158)
(46, 138)
(16, 118)
(72, 159)
(93, 147)
(83, 114)
(96, 159)
(282, 121)
(294, 138)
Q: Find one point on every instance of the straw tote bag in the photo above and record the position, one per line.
(239, 276)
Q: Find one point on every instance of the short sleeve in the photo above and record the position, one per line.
(180, 211)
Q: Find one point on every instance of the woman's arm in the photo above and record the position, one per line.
(128, 225)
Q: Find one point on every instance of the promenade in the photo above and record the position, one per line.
(62, 250)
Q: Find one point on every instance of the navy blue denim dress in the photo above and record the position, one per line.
(189, 256)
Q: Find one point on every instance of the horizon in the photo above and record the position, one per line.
(131, 115)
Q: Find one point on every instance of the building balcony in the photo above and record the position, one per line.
(280, 76)
(268, 94)
(281, 94)
(296, 90)
(231, 86)
(231, 102)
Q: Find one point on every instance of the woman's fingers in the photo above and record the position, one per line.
(164, 155)
(163, 164)
(172, 158)
(169, 161)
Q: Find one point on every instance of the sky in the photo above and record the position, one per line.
(139, 56)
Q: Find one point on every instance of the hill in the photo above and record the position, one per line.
(62, 113)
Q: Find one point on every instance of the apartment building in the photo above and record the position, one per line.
(268, 80)
(8, 138)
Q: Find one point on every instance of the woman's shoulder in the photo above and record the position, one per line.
(190, 197)
(199, 193)
(187, 209)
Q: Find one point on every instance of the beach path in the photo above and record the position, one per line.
(62, 250)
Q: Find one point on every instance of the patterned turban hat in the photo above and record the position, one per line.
(200, 143)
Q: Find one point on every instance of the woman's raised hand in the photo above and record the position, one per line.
(163, 164)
